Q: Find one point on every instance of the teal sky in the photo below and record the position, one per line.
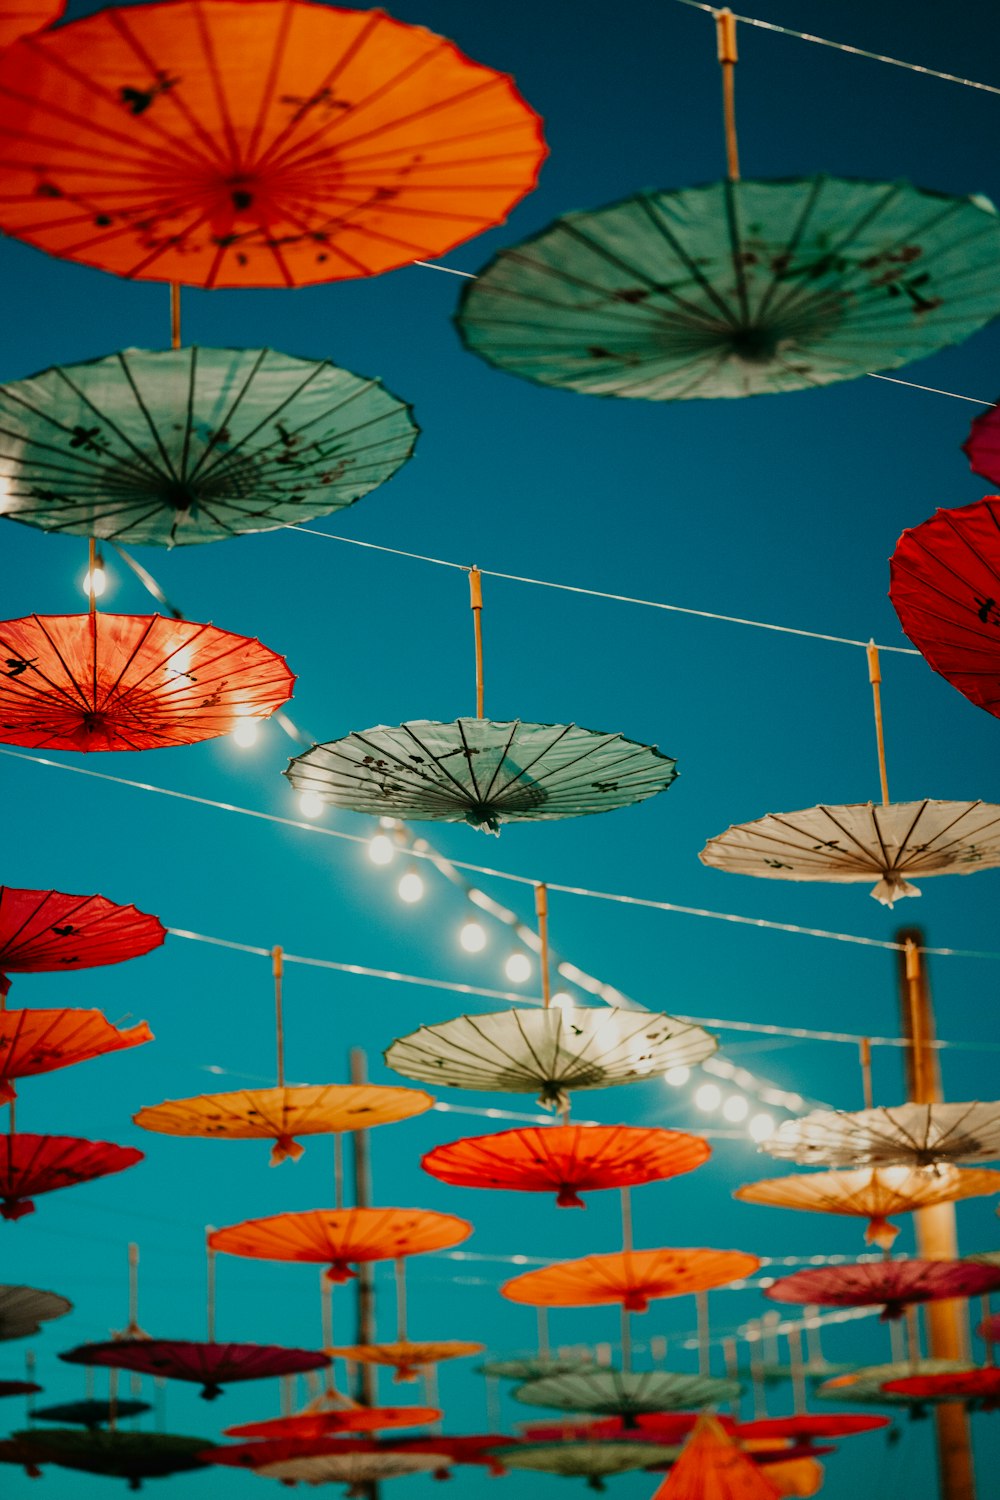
(781, 509)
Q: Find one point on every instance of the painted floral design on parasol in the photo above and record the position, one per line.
(20, 18)
(872, 1193)
(917, 1135)
(45, 931)
(342, 1238)
(567, 1159)
(867, 1384)
(632, 1278)
(945, 586)
(977, 1385)
(281, 1114)
(625, 1393)
(550, 1051)
(592, 1461)
(40, 1041)
(712, 1463)
(210, 1365)
(166, 447)
(134, 1456)
(364, 143)
(482, 771)
(130, 682)
(23, 1310)
(33, 1164)
(407, 1357)
(91, 1413)
(892, 1285)
(857, 841)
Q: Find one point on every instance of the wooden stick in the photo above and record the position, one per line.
(338, 1170)
(704, 1350)
(865, 1053)
(732, 1372)
(798, 1374)
(210, 1306)
(476, 605)
(725, 32)
(626, 1339)
(542, 912)
(277, 969)
(757, 1380)
(542, 1318)
(133, 1289)
(400, 1269)
(175, 315)
(91, 570)
(875, 678)
(627, 1236)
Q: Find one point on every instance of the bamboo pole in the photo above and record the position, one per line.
(277, 969)
(175, 315)
(210, 1299)
(704, 1348)
(542, 912)
(875, 678)
(476, 605)
(865, 1054)
(366, 1391)
(725, 32)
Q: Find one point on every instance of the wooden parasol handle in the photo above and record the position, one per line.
(725, 33)
(476, 605)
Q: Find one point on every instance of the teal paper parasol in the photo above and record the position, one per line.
(624, 1393)
(193, 445)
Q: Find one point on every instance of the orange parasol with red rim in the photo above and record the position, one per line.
(45, 931)
(39, 1041)
(270, 144)
(407, 1357)
(20, 18)
(632, 1278)
(340, 1238)
(712, 1466)
(567, 1159)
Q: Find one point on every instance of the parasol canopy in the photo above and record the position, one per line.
(866, 1384)
(535, 1368)
(982, 448)
(944, 586)
(323, 1418)
(45, 931)
(890, 1284)
(633, 1278)
(19, 1388)
(165, 447)
(134, 1456)
(977, 1384)
(281, 1114)
(872, 1193)
(593, 1461)
(567, 1159)
(407, 1357)
(353, 1468)
(804, 1427)
(863, 841)
(130, 682)
(737, 288)
(485, 1449)
(23, 1310)
(551, 1050)
(91, 1413)
(210, 1365)
(342, 1237)
(625, 1393)
(482, 772)
(913, 1135)
(39, 1041)
(21, 17)
(712, 1466)
(32, 1164)
(273, 144)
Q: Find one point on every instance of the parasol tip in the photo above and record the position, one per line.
(880, 1232)
(567, 1197)
(285, 1149)
(16, 1208)
(893, 888)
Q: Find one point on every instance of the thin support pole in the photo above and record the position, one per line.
(865, 1055)
(113, 1400)
(91, 572)
(757, 1380)
(732, 1373)
(29, 1371)
(210, 1281)
(897, 1341)
(133, 1289)
(365, 1284)
(914, 1351)
(704, 1348)
(626, 1339)
(277, 969)
(492, 1404)
(798, 1374)
(917, 1029)
(326, 1324)
(431, 1393)
(984, 1304)
(542, 912)
(399, 1266)
(175, 315)
(338, 1170)
(476, 605)
(627, 1236)
(542, 1319)
(725, 32)
(875, 678)
(658, 1349)
(814, 1343)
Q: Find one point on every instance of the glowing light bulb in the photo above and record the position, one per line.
(761, 1126)
(562, 1001)
(311, 804)
(245, 733)
(381, 849)
(472, 937)
(736, 1108)
(518, 967)
(677, 1077)
(410, 888)
(708, 1097)
(100, 581)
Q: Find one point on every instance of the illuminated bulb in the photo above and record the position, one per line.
(708, 1097)
(245, 733)
(472, 937)
(100, 581)
(410, 888)
(381, 849)
(760, 1127)
(310, 804)
(561, 1000)
(736, 1109)
(677, 1077)
(518, 967)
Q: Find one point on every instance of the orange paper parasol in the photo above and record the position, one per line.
(322, 1418)
(272, 144)
(130, 682)
(44, 1163)
(405, 1356)
(22, 17)
(342, 1237)
(712, 1467)
(872, 1193)
(566, 1159)
(632, 1277)
(44, 931)
(39, 1041)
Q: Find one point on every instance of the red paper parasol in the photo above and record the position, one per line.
(468, 1448)
(43, 931)
(893, 1284)
(209, 1365)
(806, 1426)
(631, 1277)
(566, 1159)
(19, 1388)
(342, 1237)
(39, 1041)
(324, 1420)
(655, 1427)
(130, 682)
(43, 1163)
(276, 1450)
(272, 144)
(977, 1384)
(20, 18)
(946, 590)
